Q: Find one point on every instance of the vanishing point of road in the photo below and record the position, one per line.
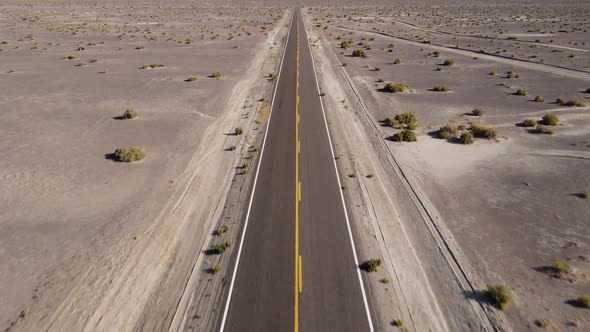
(296, 266)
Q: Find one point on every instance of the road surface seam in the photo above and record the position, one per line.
(225, 311)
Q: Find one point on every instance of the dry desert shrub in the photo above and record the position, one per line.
(550, 119)
(447, 131)
(130, 114)
(441, 88)
(359, 53)
(574, 102)
(405, 135)
(467, 138)
(486, 132)
(500, 295)
(477, 112)
(529, 123)
(395, 87)
(540, 129)
(129, 154)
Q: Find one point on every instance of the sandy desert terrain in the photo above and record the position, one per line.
(499, 211)
(88, 243)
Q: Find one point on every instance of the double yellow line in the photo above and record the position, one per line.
(298, 268)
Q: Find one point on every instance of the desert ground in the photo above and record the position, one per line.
(498, 211)
(89, 243)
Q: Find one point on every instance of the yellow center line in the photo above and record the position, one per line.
(300, 275)
(298, 281)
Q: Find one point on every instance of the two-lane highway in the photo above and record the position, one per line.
(296, 266)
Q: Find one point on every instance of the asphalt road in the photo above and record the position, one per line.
(296, 269)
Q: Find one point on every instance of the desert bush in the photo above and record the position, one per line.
(272, 77)
(344, 45)
(587, 90)
(561, 266)
(441, 88)
(448, 131)
(543, 323)
(406, 120)
(384, 280)
(130, 114)
(493, 73)
(539, 99)
(238, 131)
(405, 135)
(529, 122)
(395, 87)
(191, 79)
(371, 265)
(219, 249)
(521, 92)
(398, 323)
(544, 130)
(216, 74)
(377, 68)
(397, 61)
(71, 57)
(550, 119)
(222, 230)
(500, 295)
(153, 66)
(467, 138)
(216, 269)
(449, 62)
(477, 111)
(584, 194)
(80, 48)
(575, 102)
(512, 74)
(584, 301)
(391, 122)
(478, 130)
(129, 154)
(359, 53)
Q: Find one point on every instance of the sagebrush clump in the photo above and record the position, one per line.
(449, 62)
(371, 265)
(395, 87)
(500, 295)
(550, 119)
(359, 53)
(447, 131)
(574, 102)
(130, 114)
(467, 138)
(529, 123)
(486, 132)
(405, 135)
(441, 88)
(406, 120)
(129, 154)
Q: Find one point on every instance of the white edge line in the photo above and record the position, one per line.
(231, 286)
(358, 270)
